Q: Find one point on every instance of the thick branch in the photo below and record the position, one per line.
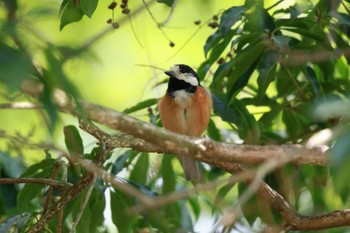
(205, 150)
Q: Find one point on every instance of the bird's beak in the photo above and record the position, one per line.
(170, 73)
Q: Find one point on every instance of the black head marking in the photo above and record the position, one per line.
(182, 77)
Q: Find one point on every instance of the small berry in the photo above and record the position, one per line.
(122, 5)
(215, 17)
(109, 21)
(112, 5)
(115, 25)
(172, 44)
(197, 22)
(126, 11)
(125, 2)
(213, 25)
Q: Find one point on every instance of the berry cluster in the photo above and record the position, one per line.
(125, 10)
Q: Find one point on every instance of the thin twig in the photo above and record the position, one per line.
(83, 206)
(54, 183)
(155, 21)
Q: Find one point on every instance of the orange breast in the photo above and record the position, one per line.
(188, 117)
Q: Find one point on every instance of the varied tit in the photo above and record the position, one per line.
(185, 109)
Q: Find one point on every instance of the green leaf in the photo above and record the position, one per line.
(120, 217)
(227, 113)
(141, 105)
(230, 17)
(10, 61)
(92, 217)
(248, 129)
(74, 142)
(168, 175)
(340, 161)
(119, 165)
(196, 207)
(222, 71)
(220, 196)
(245, 64)
(284, 80)
(292, 122)
(140, 172)
(88, 6)
(27, 194)
(315, 83)
(212, 40)
(69, 13)
(213, 131)
(169, 3)
(267, 72)
(39, 169)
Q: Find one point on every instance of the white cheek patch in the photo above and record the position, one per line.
(189, 78)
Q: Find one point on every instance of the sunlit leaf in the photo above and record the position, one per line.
(39, 169)
(340, 161)
(141, 105)
(168, 174)
(74, 142)
(213, 131)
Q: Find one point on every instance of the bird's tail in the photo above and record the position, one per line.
(191, 169)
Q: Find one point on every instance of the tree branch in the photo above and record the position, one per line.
(150, 138)
(53, 183)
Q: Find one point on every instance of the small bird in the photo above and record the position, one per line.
(185, 109)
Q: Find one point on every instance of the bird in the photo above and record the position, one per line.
(185, 109)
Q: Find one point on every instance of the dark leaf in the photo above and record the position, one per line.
(222, 71)
(88, 6)
(267, 72)
(69, 13)
(212, 41)
(314, 81)
(245, 65)
(227, 114)
(169, 3)
(120, 164)
(230, 17)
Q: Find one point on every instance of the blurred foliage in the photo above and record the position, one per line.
(277, 74)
